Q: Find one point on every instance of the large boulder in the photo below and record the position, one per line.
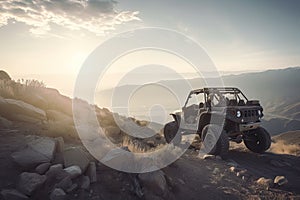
(76, 156)
(37, 151)
(30, 182)
(154, 181)
(12, 109)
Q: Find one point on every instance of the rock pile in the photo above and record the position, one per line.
(42, 175)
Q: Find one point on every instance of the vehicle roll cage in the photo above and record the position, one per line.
(222, 90)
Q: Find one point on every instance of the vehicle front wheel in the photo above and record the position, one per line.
(257, 140)
(215, 140)
(170, 133)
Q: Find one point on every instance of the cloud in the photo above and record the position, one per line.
(96, 16)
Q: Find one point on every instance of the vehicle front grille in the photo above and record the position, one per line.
(250, 113)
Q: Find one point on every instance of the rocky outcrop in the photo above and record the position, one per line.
(54, 115)
(4, 123)
(17, 110)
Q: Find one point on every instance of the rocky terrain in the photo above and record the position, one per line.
(42, 157)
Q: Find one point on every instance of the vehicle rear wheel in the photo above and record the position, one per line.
(257, 140)
(170, 133)
(215, 140)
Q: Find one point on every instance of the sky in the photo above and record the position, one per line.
(46, 39)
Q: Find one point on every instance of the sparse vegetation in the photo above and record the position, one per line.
(31, 83)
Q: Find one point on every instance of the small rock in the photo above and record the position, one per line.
(280, 180)
(233, 169)
(54, 168)
(42, 168)
(85, 182)
(73, 171)
(29, 182)
(12, 194)
(57, 194)
(91, 172)
(232, 163)
(265, 182)
(72, 188)
(65, 183)
(241, 173)
(208, 156)
(216, 171)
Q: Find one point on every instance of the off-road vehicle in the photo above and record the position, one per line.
(220, 115)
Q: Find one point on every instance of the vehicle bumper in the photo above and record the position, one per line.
(249, 126)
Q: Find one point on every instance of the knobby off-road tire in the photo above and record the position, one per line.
(215, 140)
(170, 131)
(258, 140)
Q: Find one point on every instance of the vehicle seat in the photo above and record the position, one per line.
(232, 102)
(241, 102)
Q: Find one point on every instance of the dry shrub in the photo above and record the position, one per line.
(281, 147)
(32, 83)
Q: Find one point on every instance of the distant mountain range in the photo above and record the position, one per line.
(277, 90)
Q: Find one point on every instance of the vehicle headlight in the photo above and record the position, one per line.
(259, 112)
(238, 114)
